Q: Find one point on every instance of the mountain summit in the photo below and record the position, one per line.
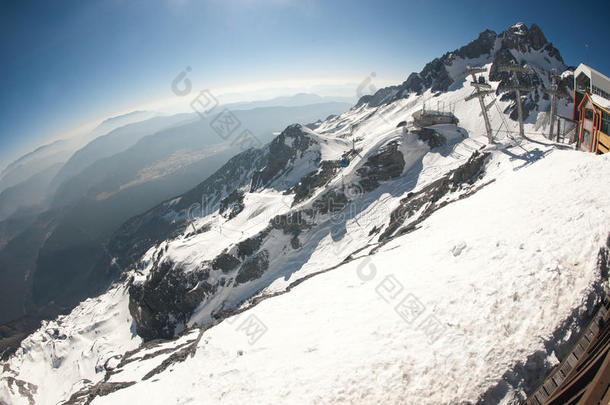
(518, 45)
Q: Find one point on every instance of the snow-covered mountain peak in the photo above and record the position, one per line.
(518, 28)
(518, 45)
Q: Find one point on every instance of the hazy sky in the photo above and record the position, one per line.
(70, 63)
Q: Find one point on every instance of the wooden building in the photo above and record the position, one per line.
(594, 124)
(592, 109)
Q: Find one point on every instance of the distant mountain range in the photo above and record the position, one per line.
(59, 151)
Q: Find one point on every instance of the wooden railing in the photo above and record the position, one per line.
(577, 374)
(603, 142)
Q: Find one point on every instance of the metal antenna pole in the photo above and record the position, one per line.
(553, 93)
(517, 88)
(556, 94)
(587, 52)
(520, 111)
(480, 90)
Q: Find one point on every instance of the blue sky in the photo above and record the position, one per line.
(66, 64)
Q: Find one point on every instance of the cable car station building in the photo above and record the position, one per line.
(592, 109)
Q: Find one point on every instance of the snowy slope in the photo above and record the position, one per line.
(70, 352)
(499, 270)
(487, 290)
(282, 276)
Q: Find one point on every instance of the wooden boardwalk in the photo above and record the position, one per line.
(583, 377)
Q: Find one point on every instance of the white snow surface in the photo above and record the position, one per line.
(601, 101)
(527, 257)
(64, 353)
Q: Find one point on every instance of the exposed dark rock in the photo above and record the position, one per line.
(502, 57)
(413, 84)
(428, 198)
(331, 201)
(385, 165)
(435, 75)
(54, 333)
(169, 296)
(175, 357)
(553, 52)
(25, 389)
(603, 260)
(401, 124)
(249, 246)
(524, 40)
(483, 45)
(535, 37)
(234, 203)
(381, 96)
(529, 104)
(284, 148)
(314, 180)
(102, 388)
(314, 125)
(295, 242)
(291, 224)
(515, 38)
(166, 299)
(253, 268)
(431, 137)
(225, 262)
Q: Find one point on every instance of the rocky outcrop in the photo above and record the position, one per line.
(385, 165)
(247, 247)
(483, 45)
(253, 268)
(429, 199)
(380, 97)
(233, 204)
(286, 147)
(523, 39)
(25, 389)
(413, 84)
(431, 137)
(315, 180)
(225, 262)
(167, 299)
(500, 49)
